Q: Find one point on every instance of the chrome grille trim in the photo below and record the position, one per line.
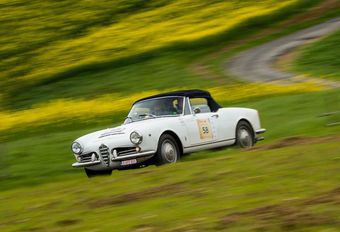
(134, 156)
(126, 151)
(105, 154)
(84, 158)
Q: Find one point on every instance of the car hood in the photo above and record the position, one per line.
(102, 134)
(118, 132)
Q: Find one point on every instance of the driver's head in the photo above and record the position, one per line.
(179, 104)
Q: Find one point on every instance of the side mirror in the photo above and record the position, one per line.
(197, 110)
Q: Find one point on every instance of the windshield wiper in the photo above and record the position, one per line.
(147, 114)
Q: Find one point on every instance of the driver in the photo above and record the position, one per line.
(179, 105)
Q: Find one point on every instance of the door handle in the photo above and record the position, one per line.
(214, 116)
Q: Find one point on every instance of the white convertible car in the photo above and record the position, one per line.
(161, 128)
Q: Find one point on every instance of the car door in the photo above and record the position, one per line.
(201, 126)
(225, 125)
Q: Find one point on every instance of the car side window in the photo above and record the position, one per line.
(199, 105)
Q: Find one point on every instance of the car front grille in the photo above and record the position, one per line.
(124, 151)
(85, 158)
(104, 152)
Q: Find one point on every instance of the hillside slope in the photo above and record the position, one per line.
(321, 58)
(275, 188)
(57, 99)
(288, 182)
(54, 38)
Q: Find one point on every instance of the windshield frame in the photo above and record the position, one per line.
(161, 116)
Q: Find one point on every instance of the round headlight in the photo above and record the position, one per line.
(76, 148)
(136, 138)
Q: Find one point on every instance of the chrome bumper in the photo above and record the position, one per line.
(112, 159)
(260, 131)
(87, 164)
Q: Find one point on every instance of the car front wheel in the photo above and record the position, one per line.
(92, 173)
(244, 135)
(167, 151)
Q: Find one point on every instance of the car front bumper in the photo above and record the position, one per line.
(113, 161)
(85, 164)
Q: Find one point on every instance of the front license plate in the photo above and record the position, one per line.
(128, 162)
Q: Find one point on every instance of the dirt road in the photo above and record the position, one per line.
(256, 64)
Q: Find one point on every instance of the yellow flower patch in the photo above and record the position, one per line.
(83, 109)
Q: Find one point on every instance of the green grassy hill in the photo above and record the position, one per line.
(45, 149)
(290, 188)
(78, 39)
(161, 70)
(63, 54)
(320, 59)
(55, 37)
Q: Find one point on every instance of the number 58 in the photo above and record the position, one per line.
(205, 129)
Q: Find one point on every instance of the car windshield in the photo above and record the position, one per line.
(158, 107)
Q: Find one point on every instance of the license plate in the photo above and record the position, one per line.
(128, 162)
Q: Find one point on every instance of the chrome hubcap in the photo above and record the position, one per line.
(169, 152)
(245, 138)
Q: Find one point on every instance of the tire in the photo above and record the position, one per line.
(92, 173)
(244, 135)
(167, 151)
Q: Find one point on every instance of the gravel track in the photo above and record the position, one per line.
(257, 64)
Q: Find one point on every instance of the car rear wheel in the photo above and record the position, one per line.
(167, 151)
(244, 135)
(92, 173)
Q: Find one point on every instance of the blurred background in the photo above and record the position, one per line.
(73, 67)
